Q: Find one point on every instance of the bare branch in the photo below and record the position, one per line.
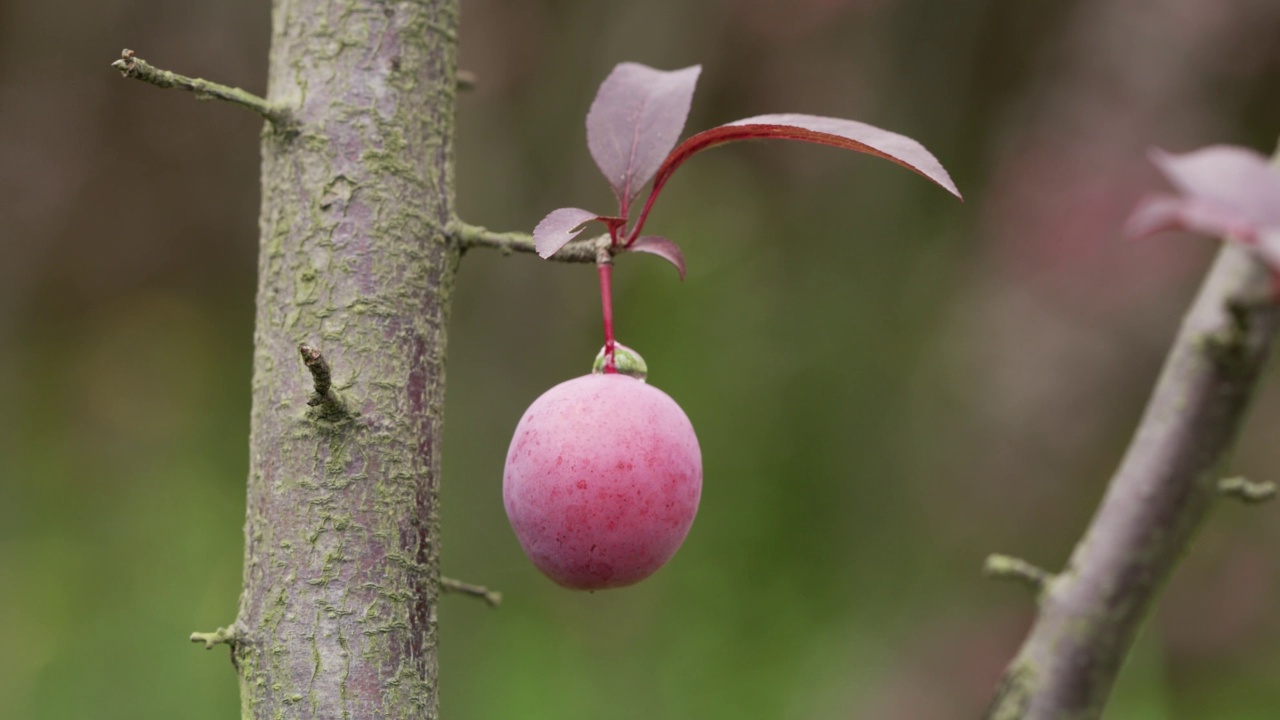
(1246, 490)
(1162, 491)
(135, 67)
(469, 236)
(449, 585)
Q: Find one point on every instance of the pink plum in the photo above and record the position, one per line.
(602, 481)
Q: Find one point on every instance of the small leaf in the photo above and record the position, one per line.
(635, 120)
(847, 134)
(663, 248)
(558, 228)
(1158, 213)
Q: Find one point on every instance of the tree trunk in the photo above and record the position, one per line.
(338, 614)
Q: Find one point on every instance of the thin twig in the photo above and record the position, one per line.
(135, 67)
(1162, 491)
(469, 236)
(1005, 567)
(466, 81)
(324, 398)
(1246, 490)
(449, 585)
(217, 637)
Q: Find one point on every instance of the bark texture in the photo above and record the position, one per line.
(1164, 488)
(338, 614)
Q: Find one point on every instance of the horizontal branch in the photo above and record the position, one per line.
(472, 236)
(449, 585)
(135, 67)
(1164, 488)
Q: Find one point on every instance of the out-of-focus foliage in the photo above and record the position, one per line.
(886, 384)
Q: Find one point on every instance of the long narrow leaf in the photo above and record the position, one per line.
(635, 120)
(846, 134)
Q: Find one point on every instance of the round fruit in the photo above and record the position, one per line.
(602, 481)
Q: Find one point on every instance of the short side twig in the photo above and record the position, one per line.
(1246, 490)
(1164, 488)
(323, 399)
(1005, 567)
(135, 67)
(225, 635)
(466, 81)
(469, 236)
(449, 585)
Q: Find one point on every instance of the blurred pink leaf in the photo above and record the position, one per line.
(635, 120)
(846, 134)
(1227, 192)
(1232, 177)
(558, 228)
(1159, 213)
(663, 248)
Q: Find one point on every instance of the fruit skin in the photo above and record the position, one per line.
(602, 481)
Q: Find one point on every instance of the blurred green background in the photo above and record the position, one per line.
(887, 384)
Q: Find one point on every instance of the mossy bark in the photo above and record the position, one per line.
(338, 614)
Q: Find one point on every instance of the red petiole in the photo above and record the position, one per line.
(606, 299)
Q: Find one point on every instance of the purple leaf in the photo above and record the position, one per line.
(1226, 192)
(1158, 213)
(847, 134)
(1233, 177)
(635, 120)
(558, 228)
(663, 248)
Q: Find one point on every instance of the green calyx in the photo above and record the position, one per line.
(626, 362)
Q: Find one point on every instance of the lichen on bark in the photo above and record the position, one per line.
(338, 613)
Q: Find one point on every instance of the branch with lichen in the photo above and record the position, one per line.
(1164, 488)
(473, 236)
(225, 635)
(132, 66)
(449, 585)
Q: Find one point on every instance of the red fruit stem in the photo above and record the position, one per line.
(606, 299)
